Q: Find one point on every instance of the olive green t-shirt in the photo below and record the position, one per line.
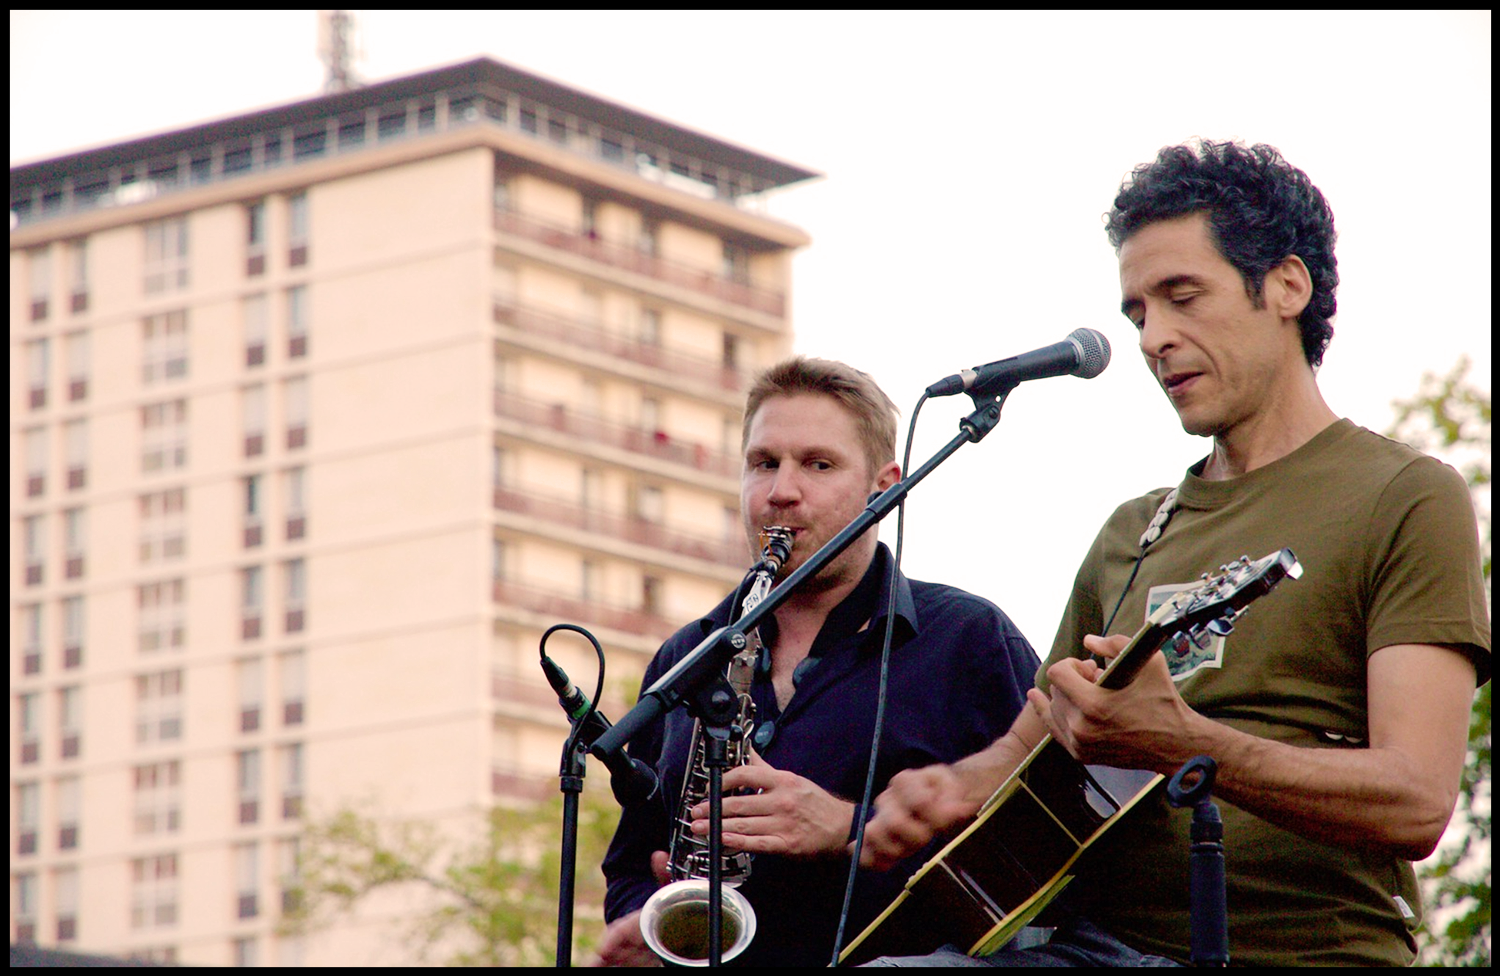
(1390, 554)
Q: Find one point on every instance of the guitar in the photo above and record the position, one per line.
(1019, 853)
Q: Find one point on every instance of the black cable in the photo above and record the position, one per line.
(582, 721)
(885, 669)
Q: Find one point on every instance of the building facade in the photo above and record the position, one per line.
(320, 415)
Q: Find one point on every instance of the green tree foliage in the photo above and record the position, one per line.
(490, 903)
(1450, 418)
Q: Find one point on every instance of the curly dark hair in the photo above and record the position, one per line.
(1261, 209)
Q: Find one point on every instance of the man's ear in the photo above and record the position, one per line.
(1288, 288)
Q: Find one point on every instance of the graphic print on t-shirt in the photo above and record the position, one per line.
(1186, 655)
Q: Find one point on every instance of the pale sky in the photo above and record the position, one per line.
(969, 158)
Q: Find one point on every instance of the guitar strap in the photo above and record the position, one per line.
(1153, 532)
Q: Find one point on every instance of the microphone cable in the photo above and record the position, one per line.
(880, 695)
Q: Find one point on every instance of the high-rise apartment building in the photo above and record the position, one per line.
(320, 415)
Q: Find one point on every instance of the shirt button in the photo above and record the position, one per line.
(802, 670)
(764, 734)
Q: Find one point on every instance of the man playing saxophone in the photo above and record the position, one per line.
(819, 438)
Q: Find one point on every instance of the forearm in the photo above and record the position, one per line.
(1374, 797)
(985, 771)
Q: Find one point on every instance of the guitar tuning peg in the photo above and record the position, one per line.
(1222, 627)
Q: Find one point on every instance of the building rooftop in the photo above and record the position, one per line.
(481, 91)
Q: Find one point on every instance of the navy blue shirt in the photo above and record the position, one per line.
(958, 677)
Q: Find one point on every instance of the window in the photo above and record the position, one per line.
(41, 281)
(70, 722)
(25, 907)
(296, 503)
(162, 607)
(295, 393)
(255, 233)
(65, 882)
(651, 416)
(158, 798)
(166, 264)
(650, 327)
(158, 707)
(251, 598)
(247, 779)
(298, 222)
(164, 347)
(255, 330)
(34, 536)
(164, 436)
(253, 504)
(736, 263)
(28, 812)
(72, 631)
(296, 595)
(246, 872)
(36, 461)
(293, 687)
(588, 584)
(153, 893)
(391, 123)
(290, 760)
(69, 807)
(650, 506)
(296, 322)
(31, 639)
(36, 372)
(254, 404)
(248, 677)
(76, 351)
(75, 541)
(590, 219)
(163, 525)
(76, 446)
(31, 728)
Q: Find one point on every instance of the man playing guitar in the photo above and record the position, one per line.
(1338, 710)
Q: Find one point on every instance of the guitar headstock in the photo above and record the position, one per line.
(1212, 606)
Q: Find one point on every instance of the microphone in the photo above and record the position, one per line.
(631, 780)
(1083, 353)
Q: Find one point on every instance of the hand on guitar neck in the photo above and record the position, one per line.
(1144, 725)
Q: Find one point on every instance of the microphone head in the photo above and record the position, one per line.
(1093, 351)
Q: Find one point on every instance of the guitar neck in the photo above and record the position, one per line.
(1128, 663)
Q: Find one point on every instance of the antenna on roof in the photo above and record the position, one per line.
(336, 48)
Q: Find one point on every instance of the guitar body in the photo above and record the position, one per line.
(993, 879)
(1018, 854)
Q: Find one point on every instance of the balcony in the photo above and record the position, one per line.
(633, 259)
(562, 606)
(649, 443)
(633, 530)
(584, 336)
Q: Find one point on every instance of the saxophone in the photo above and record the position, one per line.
(674, 921)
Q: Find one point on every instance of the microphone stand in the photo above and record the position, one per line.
(571, 773)
(697, 681)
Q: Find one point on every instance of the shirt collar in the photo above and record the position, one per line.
(869, 601)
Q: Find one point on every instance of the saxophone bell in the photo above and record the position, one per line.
(674, 922)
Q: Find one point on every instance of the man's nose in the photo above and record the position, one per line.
(785, 487)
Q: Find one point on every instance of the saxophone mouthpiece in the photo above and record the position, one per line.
(775, 546)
